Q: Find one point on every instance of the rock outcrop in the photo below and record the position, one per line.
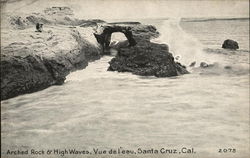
(31, 61)
(141, 57)
(149, 59)
(230, 44)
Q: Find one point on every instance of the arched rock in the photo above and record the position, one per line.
(105, 37)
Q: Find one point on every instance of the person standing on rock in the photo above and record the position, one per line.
(39, 27)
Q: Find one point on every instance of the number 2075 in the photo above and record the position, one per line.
(227, 150)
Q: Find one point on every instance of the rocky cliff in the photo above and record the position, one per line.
(32, 61)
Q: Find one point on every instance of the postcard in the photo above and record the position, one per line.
(125, 78)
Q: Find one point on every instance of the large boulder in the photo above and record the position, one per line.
(148, 59)
(230, 44)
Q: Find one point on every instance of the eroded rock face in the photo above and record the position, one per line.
(32, 61)
(230, 44)
(141, 57)
(20, 75)
(147, 59)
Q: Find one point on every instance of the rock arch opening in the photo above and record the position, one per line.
(104, 39)
(118, 40)
(117, 37)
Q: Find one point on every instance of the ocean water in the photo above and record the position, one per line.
(206, 110)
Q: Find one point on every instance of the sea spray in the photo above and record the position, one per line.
(182, 45)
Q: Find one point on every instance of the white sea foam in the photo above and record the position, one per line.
(181, 44)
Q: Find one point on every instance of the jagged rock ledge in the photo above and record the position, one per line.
(36, 61)
(32, 61)
(140, 56)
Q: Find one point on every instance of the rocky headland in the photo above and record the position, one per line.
(32, 61)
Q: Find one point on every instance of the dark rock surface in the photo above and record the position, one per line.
(20, 75)
(32, 61)
(230, 44)
(149, 59)
(142, 57)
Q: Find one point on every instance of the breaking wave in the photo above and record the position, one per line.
(187, 49)
(181, 44)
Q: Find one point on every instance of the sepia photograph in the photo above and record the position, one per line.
(125, 79)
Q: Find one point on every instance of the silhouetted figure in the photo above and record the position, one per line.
(39, 27)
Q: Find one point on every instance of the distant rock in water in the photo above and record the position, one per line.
(205, 65)
(230, 44)
(192, 64)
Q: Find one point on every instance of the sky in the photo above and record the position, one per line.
(133, 9)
